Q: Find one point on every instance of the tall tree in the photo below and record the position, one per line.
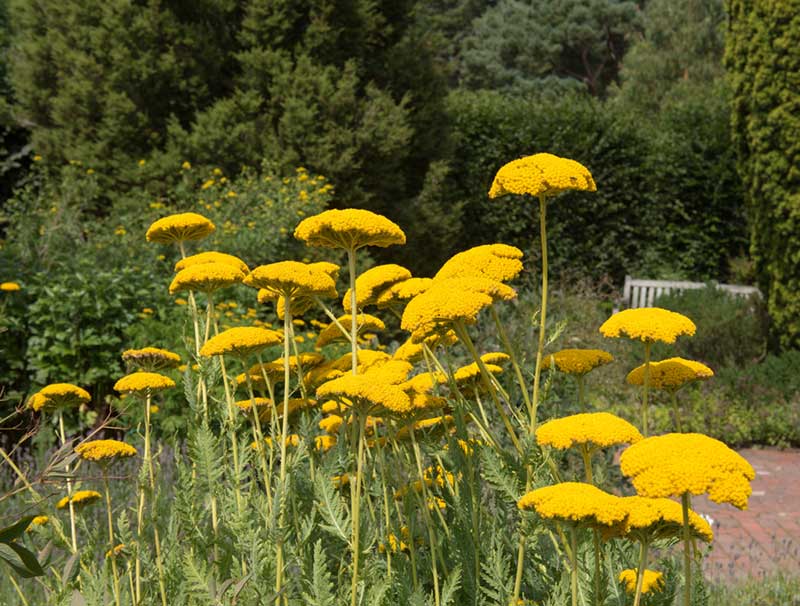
(524, 44)
(763, 56)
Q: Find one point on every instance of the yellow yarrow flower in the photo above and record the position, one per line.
(350, 229)
(115, 551)
(678, 463)
(372, 282)
(39, 521)
(206, 277)
(671, 374)
(365, 323)
(104, 451)
(648, 324)
(449, 301)
(364, 392)
(541, 174)
(179, 228)
(324, 443)
(402, 291)
(659, 518)
(241, 341)
(58, 395)
(9, 286)
(575, 502)
(151, 358)
(212, 257)
(601, 429)
(653, 581)
(79, 499)
(141, 382)
(292, 279)
(577, 361)
(499, 262)
(412, 351)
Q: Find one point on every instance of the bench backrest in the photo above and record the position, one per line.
(643, 293)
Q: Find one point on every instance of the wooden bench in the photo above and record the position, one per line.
(643, 293)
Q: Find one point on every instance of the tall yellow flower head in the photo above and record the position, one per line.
(648, 324)
(79, 499)
(140, 383)
(212, 257)
(577, 361)
(59, 395)
(452, 300)
(104, 451)
(241, 341)
(499, 262)
(653, 581)
(206, 277)
(541, 174)
(599, 429)
(151, 358)
(292, 279)
(365, 323)
(365, 392)
(660, 518)
(179, 228)
(349, 229)
(679, 463)
(401, 292)
(373, 281)
(575, 502)
(671, 374)
(9, 287)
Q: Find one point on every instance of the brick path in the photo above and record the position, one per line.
(766, 537)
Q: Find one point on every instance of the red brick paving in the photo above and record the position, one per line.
(765, 538)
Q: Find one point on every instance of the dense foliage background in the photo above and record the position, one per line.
(114, 114)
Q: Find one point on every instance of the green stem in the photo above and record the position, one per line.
(426, 516)
(510, 351)
(574, 561)
(111, 538)
(259, 438)
(581, 392)
(646, 387)
(543, 315)
(73, 532)
(351, 264)
(356, 504)
(597, 567)
(687, 551)
(640, 573)
(282, 492)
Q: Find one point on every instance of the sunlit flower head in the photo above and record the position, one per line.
(292, 279)
(577, 361)
(241, 341)
(658, 518)
(179, 228)
(206, 277)
(679, 463)
(142, 383)
(541, 174)
(593, 429)
(59, 395)
(575, 502)
(648, 324)
(365, 392)
(349, 229)
(212, 257)
(104, 451)
(671, 374)
(364, 322)
(402, 292)
(372, 282)
(499, 262)
(9, 287)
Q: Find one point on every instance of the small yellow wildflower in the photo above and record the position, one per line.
(9, 287)
(179, 227)
(57, 395)
(80, 499)
(671, 374)
(206, 277)
(151, 358)
(143, 382)
(186, 165)
(241, 341)
(115, 551)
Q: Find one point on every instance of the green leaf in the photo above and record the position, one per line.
(21, 560)
(9, 533)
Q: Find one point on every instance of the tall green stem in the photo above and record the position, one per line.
(73, 532)
(574, 562)
(687, 551)
(351, 264)
(640, 573)
(543, 312)
(510, 351)
(674, 397)
(356, 503)
(581, 393)
(282, 492)
(111, 538)
(646, 387)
